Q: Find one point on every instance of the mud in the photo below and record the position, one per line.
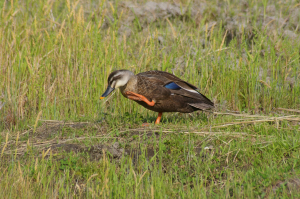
(53, 129)
(293, 185)
(95, 152)
(237, 22)
(126, 145)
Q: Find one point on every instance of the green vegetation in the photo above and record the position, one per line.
(58, 140)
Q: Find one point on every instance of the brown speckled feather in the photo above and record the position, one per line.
(151, 85)
(165, 77)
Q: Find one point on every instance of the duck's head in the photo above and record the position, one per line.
(117, 79)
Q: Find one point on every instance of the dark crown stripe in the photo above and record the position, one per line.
(114, 79)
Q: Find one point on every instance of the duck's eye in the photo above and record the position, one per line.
(172, 86)
(113, 84)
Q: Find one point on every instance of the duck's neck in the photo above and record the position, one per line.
(130, 86)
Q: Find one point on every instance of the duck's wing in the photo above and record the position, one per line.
(166, 78)
(152, 87)
(179, 87)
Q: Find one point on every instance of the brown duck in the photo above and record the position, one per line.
(158, 91)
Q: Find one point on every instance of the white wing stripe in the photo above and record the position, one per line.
(193, 91)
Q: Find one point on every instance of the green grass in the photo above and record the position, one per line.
(55, 58)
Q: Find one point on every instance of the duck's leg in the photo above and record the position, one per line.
(158, 118)
(138, 97)
(156, 121)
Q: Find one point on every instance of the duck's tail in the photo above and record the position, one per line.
(202, 105)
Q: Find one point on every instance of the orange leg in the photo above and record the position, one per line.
(138, 97)
(158, 118)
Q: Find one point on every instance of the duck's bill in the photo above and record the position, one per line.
(107, 92)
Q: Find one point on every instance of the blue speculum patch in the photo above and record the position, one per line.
(172, 86)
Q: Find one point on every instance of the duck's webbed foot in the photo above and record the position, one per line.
(138, 97)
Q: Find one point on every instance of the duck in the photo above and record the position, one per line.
(158, 91)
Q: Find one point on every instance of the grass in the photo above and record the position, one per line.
(57, 139)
